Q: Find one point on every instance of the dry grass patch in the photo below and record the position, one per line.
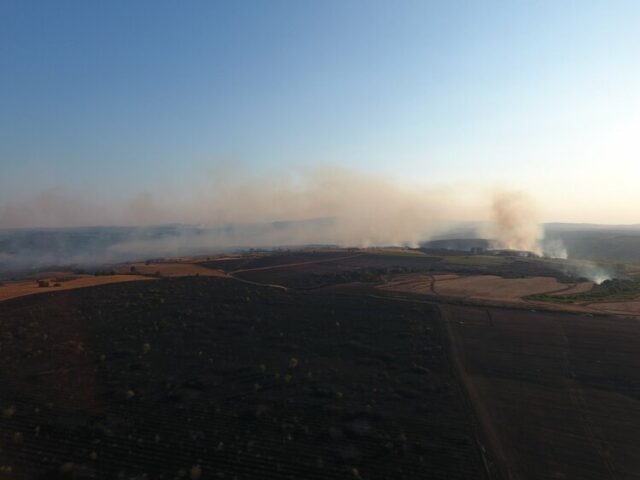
(488, 287)
(53, 284)
(492, 287)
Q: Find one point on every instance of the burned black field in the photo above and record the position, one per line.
(321, 269)
(299, 365)
(215, 378)
(558, 394)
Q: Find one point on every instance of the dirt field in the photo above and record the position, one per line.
(621, 308)
(496, 288)
(581, 287)
(30, 287)
(66, 281)
(487, 287)
(557, 394)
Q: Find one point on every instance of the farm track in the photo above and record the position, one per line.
(495, 459)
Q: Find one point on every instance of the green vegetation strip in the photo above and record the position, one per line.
(615, 290)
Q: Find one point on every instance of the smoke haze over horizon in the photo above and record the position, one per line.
(146, 117)
(326, 205)
(394, 121)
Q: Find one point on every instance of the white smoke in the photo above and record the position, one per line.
(366, 209)
(514, 222)
(554, 248)
(590, 270)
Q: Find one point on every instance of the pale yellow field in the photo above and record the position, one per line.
(123, 274)
(487, 287)
(492, 287)
(30, 287)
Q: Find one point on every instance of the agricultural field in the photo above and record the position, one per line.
(482, 287)
(49, 284)
(501, 289)
(372, 266)
(557, 394)
(319, 364)
(59, 281)
(620, 308)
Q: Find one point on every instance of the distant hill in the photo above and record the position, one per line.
(22, 249)
(35, 248)
(582, 240)
(619, 244)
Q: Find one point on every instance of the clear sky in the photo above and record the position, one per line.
(119, 97)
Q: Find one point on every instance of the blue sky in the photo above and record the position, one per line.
(120, 97)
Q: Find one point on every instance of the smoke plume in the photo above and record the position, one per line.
(514, 222)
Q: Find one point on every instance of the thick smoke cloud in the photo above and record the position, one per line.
(514, 222)
(515, 226)
(235, 211)
(321, 206)
(367, 209)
